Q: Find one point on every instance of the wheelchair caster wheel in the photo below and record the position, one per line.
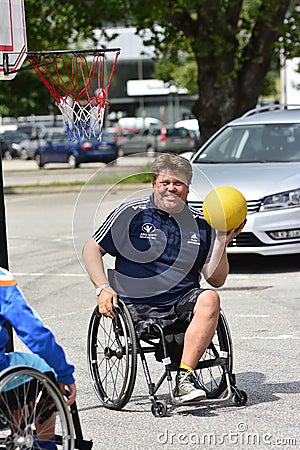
(239, 398)
(160, 409)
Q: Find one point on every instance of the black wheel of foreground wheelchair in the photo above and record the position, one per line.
(32, 408)
(112, 357)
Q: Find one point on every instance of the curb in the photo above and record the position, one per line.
(40, 189)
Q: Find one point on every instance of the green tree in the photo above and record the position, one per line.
(233, 43)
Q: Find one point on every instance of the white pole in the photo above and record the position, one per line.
(283, 93)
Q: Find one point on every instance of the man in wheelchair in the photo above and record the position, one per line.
(161, 245)
(47, 357)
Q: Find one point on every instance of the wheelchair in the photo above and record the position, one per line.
(31, 404)
(112, 349)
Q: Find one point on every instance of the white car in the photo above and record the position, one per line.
(259, 154)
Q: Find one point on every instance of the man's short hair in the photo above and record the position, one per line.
(173, 162)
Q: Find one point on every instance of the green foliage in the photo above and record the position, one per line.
(23, 96)
(270, 85)
(184, 75)
(137, 178)
(54, 25)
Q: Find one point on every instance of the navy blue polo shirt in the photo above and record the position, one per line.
(159, 256)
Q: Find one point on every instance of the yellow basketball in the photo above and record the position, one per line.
(225, 208)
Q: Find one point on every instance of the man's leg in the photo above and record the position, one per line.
(46, 433)
(202, 327)
(197, 338)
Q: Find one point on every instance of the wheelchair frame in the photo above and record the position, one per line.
(113, 347)
(28, 398)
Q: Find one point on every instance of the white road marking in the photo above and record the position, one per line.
(46, 274)
(252, 315)
(280, 337)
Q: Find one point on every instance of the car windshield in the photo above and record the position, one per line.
(253, 143)
(58, 137)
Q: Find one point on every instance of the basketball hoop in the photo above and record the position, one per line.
(76, 81)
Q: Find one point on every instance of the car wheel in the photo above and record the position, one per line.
(38, 160)
(150, 150)
(7, 155)
(24, 154)
(72, 161)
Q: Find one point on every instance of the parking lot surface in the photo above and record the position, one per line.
(260, 298)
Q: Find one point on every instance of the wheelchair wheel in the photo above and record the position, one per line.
(32, 410)
(216, 360)
(112, 357)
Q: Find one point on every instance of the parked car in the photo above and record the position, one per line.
(10, 143)
(193, 126)
(121, 134)
(162, 139)
(139, 122)
(5, 153)
(58, 149)
(33, 127)
(27, 147)
(259, 154)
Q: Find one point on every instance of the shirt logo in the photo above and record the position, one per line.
(135, 207)
(148, 228)
(194, 239)
(148, 231)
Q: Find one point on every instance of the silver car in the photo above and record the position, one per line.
(27, 147)
(163, 139)
(259, 154)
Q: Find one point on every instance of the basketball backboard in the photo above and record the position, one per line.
(13, 39)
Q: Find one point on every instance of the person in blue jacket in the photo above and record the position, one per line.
(47, 355)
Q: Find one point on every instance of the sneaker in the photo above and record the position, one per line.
(185, 389)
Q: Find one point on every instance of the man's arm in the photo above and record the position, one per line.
(217, 269)
(92, 256)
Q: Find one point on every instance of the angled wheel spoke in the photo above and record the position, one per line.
(32, 408)
(112, 357)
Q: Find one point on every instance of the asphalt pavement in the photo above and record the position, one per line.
(46, 232)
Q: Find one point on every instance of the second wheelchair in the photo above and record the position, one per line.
(32, 410)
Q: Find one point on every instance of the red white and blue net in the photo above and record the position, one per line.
(78, 83)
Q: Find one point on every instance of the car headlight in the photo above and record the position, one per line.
(289, 199)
